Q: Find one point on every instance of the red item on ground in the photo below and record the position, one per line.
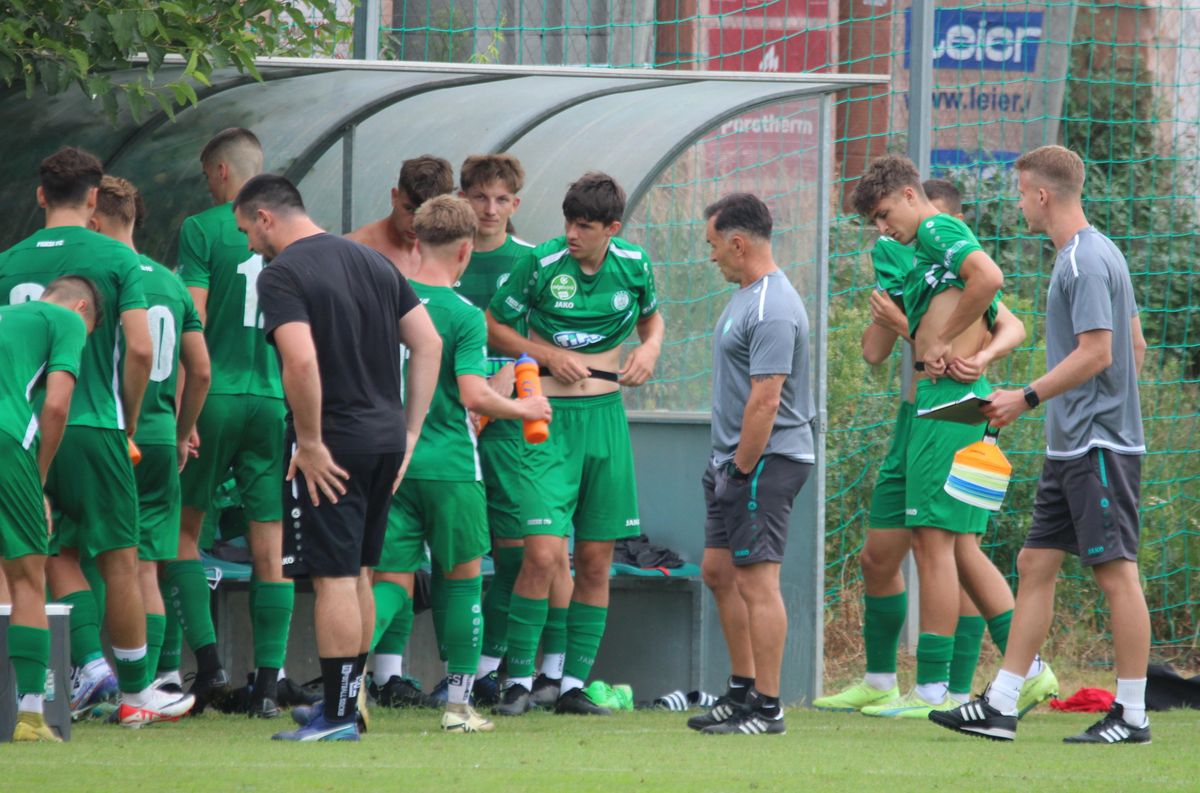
(1086, 700)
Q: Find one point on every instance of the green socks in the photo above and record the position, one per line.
(883, 619)
(968, 639)
(499, 596)
(463, 626)
(272, 616)
(933, 658)
(554, 635)
(998, 627)
(156, 627)
(29, 650)
(85, 627)
(437, 596)
(169, 655)
(187, 594)
(526, 618)
(585, 629)
(131, 669)
(393, 618)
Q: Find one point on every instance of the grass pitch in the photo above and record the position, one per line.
(405, 751)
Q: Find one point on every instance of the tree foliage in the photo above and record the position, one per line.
(55, 44)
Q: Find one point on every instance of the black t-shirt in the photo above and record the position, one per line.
(352, 298)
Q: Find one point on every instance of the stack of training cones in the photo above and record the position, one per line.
(980, 473)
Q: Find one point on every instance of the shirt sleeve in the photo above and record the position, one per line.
(191, 317)
(280, 300)
(947, 239)
(772, 346)
(193, 254)
(470, 347)
(1091, 302)
(648, 300)
(68, 334)
(131, 293)
(408, 298)
(891, 262)
(511, 301)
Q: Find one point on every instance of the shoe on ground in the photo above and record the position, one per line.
(514, 701)
(618, 697)
(33, 727)
(747, 721)
(441, 693)
(977, 718)
(402, 692)
(545, 692)
(910, 706)
(318, 729)
(1112, 729)
(576, 703)
(721, 711)
(362, 717)
(1036, 690)
(303, 714)
(486, 691)
(211, 689)
(160, 706)
(263, 708)
(290, 694)
(169, 682)
(87, 691)
(855, 698)
(463, 718)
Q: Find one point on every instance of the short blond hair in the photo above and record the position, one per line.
(444, 219)
(119, 200)
(1058, 165)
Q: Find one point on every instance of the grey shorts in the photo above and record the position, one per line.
(750, 516)
(1088, 506)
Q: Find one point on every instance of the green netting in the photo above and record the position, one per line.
(1117, 82)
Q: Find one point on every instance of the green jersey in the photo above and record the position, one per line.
(26, 269)
(892, 263)
(35, 339)
(214, 255)
(447, 448)
(943, 243)
(574, 310)
(171, 314)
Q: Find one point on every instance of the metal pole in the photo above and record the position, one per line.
(348, 178)
(366, 31)
(920, 139)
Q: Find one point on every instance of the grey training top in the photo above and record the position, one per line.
(763, 330)
(1090, 289)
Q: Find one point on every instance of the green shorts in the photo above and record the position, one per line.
(583, 474)
(887, 499)
(93, 492)
(500, 458)
(932, 445)
(157, 478)
(245, 433)
(450, 516)
(22, 513)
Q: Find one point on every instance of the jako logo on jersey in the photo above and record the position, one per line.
(620, 301)
(633, 522)
(564, 304)
(563, 287)
(982, 39)
(572, 339)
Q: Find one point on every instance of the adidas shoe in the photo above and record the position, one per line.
(855, 698)
(1037, 689)
(722, 710)
(402, 692)
(33, 727)
(514, 701)
(318, 729)
(545, 692)
(463, 718)
(979, 718)
(748, 722)
(1113, 729)
(159, 706)
(576, 703)
(910, 706)
(486, 691)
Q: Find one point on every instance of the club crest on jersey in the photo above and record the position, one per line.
(563, 287)
(620, 301)
(571, 339)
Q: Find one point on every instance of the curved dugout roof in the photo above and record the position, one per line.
(317, 117)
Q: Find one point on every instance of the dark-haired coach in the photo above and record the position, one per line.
(337, 312)
(762, 454)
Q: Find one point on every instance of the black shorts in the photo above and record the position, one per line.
(750, 516)
(1088, 506)
(338, 540)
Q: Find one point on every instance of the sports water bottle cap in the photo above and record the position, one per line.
(524, 358)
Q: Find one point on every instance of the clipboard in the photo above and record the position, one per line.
(968, 410)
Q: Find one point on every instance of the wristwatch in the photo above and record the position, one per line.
(1031, 397)
(733, 472)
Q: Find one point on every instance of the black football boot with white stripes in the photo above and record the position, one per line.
(722, 710)
(750, 721)
(1112, 729)
(977, 718)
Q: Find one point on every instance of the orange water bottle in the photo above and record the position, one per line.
(135, 454)
(529, 384)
